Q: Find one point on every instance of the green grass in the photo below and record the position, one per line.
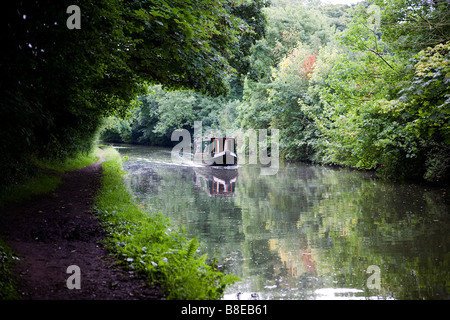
(148, 244)
(39, 184)
(46, 178)
(79, 161)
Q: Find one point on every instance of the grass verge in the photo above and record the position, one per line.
(148, 244)
(47, 177)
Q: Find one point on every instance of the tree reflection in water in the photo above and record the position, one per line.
(309, 232)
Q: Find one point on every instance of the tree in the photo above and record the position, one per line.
(285, 60)
(188, 44)
(362, 76)
(385, 112)
(424, 104)
(414, 25)
(289, 86)
(58, 83)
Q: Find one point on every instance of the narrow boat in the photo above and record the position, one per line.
(215, 151)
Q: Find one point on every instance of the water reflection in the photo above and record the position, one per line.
(308, 232)
(216, 181)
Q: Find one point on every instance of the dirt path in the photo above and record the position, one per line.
(52, 232)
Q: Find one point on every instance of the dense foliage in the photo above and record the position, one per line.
(58, 83)
(162, 112)
(361, 99)
(365, 86)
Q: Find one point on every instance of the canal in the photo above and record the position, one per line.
(308, 232)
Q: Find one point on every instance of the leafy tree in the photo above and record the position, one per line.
(423, 106)
(188, 44)
(359, 77)
(338, 14)
(145, 120)
(57, 84)
(290, 84)
(288, 24)
(427, 94)
(414, 25)
(116, 130)
(161, 112)
(252, 13)
(285, 60)
(379, 111)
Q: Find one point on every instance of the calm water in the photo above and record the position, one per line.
(308, 232)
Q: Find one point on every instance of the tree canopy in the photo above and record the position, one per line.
(58, 83)
(365, 86)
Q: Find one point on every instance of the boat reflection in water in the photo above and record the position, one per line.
(216, 181)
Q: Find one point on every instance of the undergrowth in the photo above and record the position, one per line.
(148, 244)
(8, 289)
(46, 177)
